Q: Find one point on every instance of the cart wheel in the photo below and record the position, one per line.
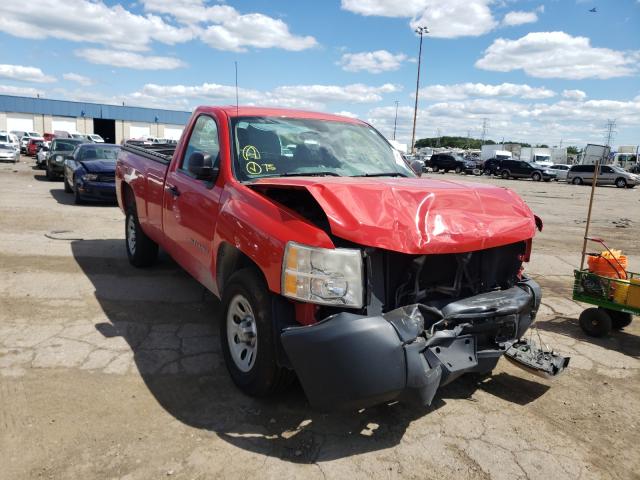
(595, 322)
(619, 320)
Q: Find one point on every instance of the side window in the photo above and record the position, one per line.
(204, 139)
(606, 169)
(524, 165)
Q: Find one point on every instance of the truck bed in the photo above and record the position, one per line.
(159, 152)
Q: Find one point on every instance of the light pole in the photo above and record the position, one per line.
(421, 31)
(395, 121)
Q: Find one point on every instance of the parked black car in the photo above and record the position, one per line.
(443, 161)
(522, 169)
(90, 172)
(491, 166)
(60, 148)
(467, 165)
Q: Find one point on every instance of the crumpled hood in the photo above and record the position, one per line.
(99, 166)
(416, 215)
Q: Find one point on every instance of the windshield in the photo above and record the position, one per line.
(64, 145)
(5, 138)
(6, 147)
(34, 134)
(99, 153)
(276, 146)
(618, 169)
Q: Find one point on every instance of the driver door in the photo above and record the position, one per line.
(191, 205)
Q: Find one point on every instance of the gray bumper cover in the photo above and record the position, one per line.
(352, 361)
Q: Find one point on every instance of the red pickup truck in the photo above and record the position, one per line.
(334, 261)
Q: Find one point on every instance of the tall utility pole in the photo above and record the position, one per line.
(420, 31)
(395, 122)
(485, 127)
(610, 132)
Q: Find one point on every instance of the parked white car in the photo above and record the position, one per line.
(9, 151)
(95, 138)
(561, 170)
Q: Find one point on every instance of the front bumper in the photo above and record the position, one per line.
(102, 191)
(350, 361)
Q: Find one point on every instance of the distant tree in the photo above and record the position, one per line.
(572, 150)
(542, 145)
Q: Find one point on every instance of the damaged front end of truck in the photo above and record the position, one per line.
(424, 312)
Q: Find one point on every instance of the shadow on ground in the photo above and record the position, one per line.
(619, 340)
(171, 324)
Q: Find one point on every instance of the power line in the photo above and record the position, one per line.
(610, 132)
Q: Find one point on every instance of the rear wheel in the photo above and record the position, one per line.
(141, 250)
(621, 182)
(577, 181)
(67, 187)
(536, 177)
(595, 322)
(458, 170)
(619, 320)
(505, 174)
(247, 336)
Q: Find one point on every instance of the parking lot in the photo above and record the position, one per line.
(111, 372)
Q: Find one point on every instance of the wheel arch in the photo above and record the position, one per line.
(230, 259)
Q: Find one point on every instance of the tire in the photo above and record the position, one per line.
(595, 322)
(141, 250)
(486, 172)
(505, 174)
(446, 170)
(77, 199)
(50, 175)
(621, 182)
(536, 177)
(435, 169)
(577, 181)
(67, 187)
(619, 320)
(458, 170)
(247, 338)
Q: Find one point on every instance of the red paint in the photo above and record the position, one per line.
(400, 214)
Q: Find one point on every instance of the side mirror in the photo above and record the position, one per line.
(201, 166)
(416, 166)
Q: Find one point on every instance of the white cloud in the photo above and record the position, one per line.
(296, 96)
(80, 79)
(574, 94)
(519, 18)
(129, 59)
(20, 91)
(557, 55)
(575, 122)
(373, 62)
(346, 113)
(466, 90)
(24, 74)
(226, 29)
(88, 21)
(450, 19)
(93, 21)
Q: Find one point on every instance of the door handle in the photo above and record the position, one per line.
(174, 190)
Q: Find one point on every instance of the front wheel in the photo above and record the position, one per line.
(141, 250)
(595, 322)
(619, 320)
(247, 337)
(458, 170)
(50, 175)
(621, 183)
(435, 169)
(67, 187)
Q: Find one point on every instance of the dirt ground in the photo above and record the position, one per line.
(111, 372)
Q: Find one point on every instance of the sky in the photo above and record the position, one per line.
(549, 72)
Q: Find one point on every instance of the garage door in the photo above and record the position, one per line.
(172, 133)
(19, 121)
(66, 124)
(140, 130)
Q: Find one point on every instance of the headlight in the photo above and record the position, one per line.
(59, 158)
(89, 177)
(322, 275)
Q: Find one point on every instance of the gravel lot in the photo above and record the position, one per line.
(111, 372)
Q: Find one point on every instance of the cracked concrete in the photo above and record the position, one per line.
(111, 372)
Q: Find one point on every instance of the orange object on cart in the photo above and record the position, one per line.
(608, 264)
